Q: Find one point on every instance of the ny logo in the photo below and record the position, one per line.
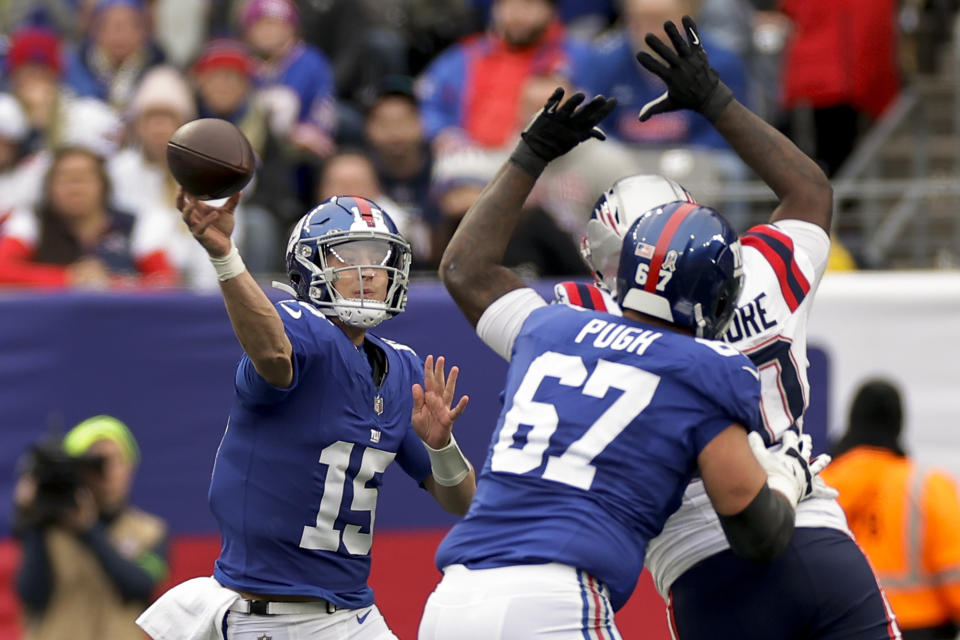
(374, 436)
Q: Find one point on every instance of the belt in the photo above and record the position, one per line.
(273, 608)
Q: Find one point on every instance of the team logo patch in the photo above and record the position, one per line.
(374, 436)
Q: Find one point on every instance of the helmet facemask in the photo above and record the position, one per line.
(355, 256)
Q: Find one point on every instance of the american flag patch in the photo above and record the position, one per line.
(644, 250)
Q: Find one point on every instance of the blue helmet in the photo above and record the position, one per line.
(681, 263)
(341, 235)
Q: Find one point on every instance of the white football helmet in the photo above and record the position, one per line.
(618, 208)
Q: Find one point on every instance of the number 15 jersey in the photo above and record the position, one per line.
(602, 423)
(297, 476)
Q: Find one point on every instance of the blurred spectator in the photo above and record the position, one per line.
(90, 560)
(470, 94)
(15, 189)
(298, 76)
(223, 76)
(586, 18)
(905, 517)
(615, 72)
(76, 239)
(430, 26)
(180, 28)
(841, 63)
(358, 40)
(60, 16)
(163, 101)
(538, 248)
(351, 173)
(118, 50)
(34, 67)
(398, 148)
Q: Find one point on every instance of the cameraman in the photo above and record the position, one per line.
(90, 560)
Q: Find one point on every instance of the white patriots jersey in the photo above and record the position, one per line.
(783, 264)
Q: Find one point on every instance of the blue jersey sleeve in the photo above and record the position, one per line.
(412, 456)
(251, 388)
(734, 389)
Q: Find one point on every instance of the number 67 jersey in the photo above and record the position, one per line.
(602, 423)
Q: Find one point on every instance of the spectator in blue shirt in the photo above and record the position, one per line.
(615, 72)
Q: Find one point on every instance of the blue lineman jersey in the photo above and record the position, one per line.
(602, 423)
(296, 478)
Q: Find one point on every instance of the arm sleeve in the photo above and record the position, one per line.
(133, 581)
(413, 458)
(251, 388)
(811, 245)
(35, 578)
(502, 321)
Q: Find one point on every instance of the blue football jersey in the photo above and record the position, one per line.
(602, 423)
(297, 474)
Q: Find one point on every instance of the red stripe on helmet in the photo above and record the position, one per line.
(366, 213)
(663, 243)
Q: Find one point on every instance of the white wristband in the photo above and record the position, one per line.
(229, 266)
(449, 465)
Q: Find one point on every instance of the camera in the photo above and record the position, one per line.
(58, 476)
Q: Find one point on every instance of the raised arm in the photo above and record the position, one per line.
(470, 266)
(803, 189)
(255, 320)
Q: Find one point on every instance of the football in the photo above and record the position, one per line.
(210, 158)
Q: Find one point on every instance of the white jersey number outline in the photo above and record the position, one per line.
(574, 466)
(323, 536)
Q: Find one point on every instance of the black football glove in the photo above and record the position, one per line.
(555, 130)
(691, 81)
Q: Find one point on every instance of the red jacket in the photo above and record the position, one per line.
(842, 52)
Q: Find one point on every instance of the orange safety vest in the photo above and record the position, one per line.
(907, 521)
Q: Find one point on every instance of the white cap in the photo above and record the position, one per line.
(91, 124)
(13, 122)
(163, 87)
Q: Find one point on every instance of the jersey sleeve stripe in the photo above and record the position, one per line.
(573, 293)
(793, 284)
(663, 243)
(595, 296)
(787, 242)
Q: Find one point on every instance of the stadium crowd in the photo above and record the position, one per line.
(411, 104)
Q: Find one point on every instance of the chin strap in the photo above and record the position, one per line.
(286, 288)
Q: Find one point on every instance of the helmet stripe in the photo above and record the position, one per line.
(365, 212)
(663, 243)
